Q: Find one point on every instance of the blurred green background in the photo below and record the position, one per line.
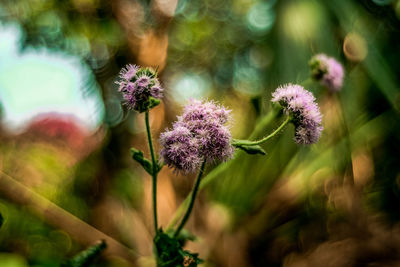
(67, 179)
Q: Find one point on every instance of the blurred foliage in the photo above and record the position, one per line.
(86, 257)
(335, 203)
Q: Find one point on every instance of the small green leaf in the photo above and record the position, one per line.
(256, 149)
(86, 257)
(138, 156)
(185, 235)
(159, 166)
(153, 102)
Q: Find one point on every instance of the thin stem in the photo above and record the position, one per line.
(253, 143)
(154, 170)
(264, 122)
(192, 199)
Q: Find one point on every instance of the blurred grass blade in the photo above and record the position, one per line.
(86, 257)
(375, 64)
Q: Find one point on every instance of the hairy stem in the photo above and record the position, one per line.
(192, 199)
(154, 170)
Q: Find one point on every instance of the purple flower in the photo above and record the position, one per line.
(143, 81)
(300, 104)
(328, 71)
(197, 110)
(200, 134)
(156, 90)
(138, 86)
(128, 72)
(180, 149)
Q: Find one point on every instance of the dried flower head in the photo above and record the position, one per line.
(328, 71)
(200, 134)
(139, 87)
(300, 104)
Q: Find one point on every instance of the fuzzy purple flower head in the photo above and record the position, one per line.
(328, 71)
(140, 87)
(306, 117)
(180, 149)
(199, 134)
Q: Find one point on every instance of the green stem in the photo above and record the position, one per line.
(192, 199)
(258, 142)
(264, 122)
(154, 170)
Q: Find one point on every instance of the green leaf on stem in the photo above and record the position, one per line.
(185, 235)
(255, 149)
(159, 166)
(86, 257)
(146, 163)
(171, 254)
(148, 104)
(138, 156)
(153, 102)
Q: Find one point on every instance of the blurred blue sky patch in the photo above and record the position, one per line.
(38, 80)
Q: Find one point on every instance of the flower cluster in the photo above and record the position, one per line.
(328, 71)
(139, 87)
(199, 134)
(300, 104)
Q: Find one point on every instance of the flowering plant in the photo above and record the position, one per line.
(202, 135)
